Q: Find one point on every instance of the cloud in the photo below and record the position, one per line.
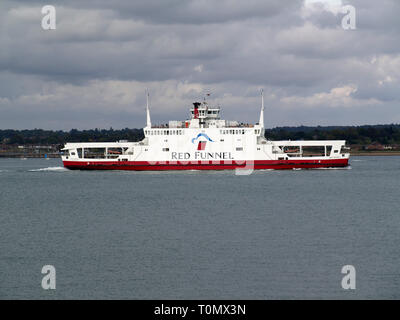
(93, 70)
(336, 97)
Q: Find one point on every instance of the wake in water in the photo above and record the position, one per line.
(337, 168)
(58, 169)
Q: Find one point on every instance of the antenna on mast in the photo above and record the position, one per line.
(261, 122)
(148, 122)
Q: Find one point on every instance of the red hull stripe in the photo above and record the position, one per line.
(205, 165)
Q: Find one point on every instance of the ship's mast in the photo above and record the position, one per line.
(261, 122)
(148, 122)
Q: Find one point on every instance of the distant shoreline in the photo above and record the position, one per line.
(375, 153)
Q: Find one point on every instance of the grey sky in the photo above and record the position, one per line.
(93, 70)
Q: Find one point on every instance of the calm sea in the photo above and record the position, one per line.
(200, 235)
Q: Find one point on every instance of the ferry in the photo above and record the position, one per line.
(205, 142)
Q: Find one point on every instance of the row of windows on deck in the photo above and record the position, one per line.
(238, 131)
(163, 132)
(180, 132)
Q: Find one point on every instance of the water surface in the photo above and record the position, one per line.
(199, 235)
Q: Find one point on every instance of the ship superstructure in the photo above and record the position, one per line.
(205, 142)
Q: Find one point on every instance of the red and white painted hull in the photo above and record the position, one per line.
(205, 142)
(206, 165)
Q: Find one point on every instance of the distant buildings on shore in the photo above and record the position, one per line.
(29, 151)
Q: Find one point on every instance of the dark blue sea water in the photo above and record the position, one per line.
(200, 235)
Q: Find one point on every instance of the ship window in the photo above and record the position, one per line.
(222, 140)
(239, 149)
(113, 153)
(165, 149)
(72, 153)
(95, 153)
(79, 150)
(313, 151)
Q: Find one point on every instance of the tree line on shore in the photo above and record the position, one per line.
(354, 135)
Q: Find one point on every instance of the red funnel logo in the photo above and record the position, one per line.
(201, 145)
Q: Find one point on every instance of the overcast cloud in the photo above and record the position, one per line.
(93, 70)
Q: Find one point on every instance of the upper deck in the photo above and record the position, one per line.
(202, 115)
